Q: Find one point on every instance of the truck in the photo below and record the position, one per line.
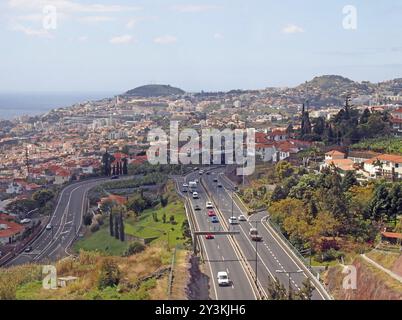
(254, 235)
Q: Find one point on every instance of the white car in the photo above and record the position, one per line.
(242, 218)
(185, 185)
(209, 205)
(223, 278)
(49, 226)
(25, 221)
(232, 220)
(201, 172)
(195, 195)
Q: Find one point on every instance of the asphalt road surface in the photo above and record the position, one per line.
(219, 253)
(66, 222)
(271, 255)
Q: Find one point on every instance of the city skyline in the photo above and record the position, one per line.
(103, 45)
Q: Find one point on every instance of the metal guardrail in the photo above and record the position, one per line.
(170, 284)
(279, 232)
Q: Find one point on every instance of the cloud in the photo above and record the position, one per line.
(42, 33)
(83, 39)
(292, 28)
(192, 8)
(134, 21)
(124, 39)
(165, 39)
(96, 19)
(68, 6)
(218, 36)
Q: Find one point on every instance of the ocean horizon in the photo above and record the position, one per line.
(13, 105)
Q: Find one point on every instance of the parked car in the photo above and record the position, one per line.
(115, 177)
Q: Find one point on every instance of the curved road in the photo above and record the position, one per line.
(66, 222)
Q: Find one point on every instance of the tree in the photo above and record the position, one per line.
(42, 197)
(349, 180)
(163, 201)
(379, 204)
(365, 116)
(395, 200)
(125, 166)
(171, 219)
(111, 226)
(306, 292)
(21, 207)
(109, 275)
(116, 227)
(121, 222)
(276, 290)
(319, 126)
(87, 218)
(164, 217)
(284, 170)
(278, 194)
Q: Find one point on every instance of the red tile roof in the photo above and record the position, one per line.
(392, 235)
(11, 229)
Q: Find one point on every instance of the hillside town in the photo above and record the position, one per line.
(67, 144)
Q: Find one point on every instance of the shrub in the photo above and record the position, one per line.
(109, 275)
(134, 248)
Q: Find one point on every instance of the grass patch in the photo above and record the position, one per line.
(146, 227)
(385, 259)
(102, 241)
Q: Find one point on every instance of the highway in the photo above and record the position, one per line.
(219, 253)
(66, 221)
(272, 256)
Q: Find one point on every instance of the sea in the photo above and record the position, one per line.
(13, 105)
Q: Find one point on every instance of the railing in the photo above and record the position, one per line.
(170, 284)
(279, 232)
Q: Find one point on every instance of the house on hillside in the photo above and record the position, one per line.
(384, 165)
(9, 230)
(396, 120)
(334, 155)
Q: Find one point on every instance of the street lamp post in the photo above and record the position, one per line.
(289, 278)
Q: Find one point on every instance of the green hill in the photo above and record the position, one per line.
(155, 90)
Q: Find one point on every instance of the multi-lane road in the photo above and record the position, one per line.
(268, 259)
(219, 253)
(66, 221)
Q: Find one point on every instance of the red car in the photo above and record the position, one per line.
(209, 237)
(211, 213)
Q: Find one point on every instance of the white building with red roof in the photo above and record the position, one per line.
(384, 165)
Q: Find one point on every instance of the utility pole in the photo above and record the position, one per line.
(289, 273)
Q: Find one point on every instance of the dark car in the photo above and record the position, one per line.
(115, 177)
(197, 207)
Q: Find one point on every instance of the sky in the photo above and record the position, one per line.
(210, 45)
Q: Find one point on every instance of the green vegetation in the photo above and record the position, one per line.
(102, 242)
(44, 200)
(391, 145)
(154, 90)
(329, 214)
